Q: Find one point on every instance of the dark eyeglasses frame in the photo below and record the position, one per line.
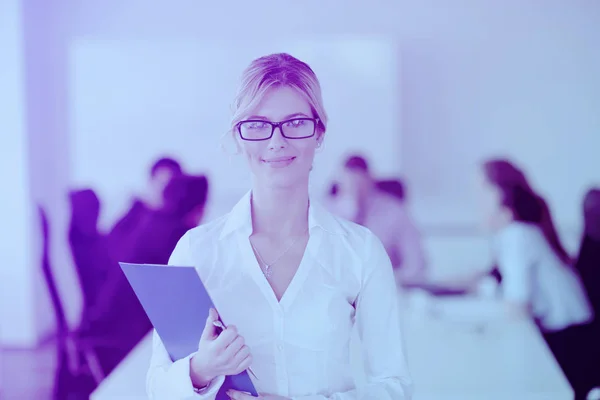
(278, 125)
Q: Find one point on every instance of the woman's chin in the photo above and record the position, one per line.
(284, 180)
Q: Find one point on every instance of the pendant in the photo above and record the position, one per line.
(267, 271)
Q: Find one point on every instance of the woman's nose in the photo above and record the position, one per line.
(277, 141)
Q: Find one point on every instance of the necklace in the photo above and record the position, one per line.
(267, 271)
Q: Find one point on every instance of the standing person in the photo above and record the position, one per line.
(293, 278)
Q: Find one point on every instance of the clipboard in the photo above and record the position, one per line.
(177, 303)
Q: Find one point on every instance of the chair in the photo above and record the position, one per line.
(77, 351)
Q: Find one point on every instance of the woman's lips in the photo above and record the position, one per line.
(279, 162)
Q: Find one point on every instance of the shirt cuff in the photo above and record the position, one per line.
(179, 375)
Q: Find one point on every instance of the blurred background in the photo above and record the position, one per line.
(94, 93)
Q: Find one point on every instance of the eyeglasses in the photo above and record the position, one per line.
(296, 128)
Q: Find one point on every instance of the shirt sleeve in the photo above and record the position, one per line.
(168, 380)
(379, 329)
(516, 264)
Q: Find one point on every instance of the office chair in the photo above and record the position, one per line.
(76, 348)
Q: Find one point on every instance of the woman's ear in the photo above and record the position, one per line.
(320, 138)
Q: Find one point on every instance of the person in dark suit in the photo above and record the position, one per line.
(588, 266)
(150, 241)
(162, 172)
(158, 231)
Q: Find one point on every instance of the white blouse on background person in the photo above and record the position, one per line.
(300, 345)
(533, 274)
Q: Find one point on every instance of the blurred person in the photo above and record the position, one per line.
(151, 242)
(278, 259)
(95, 267)
(159, 230)
(358, 197)
(537, 275)
(588, 260)
(588, 266)
(161, 173)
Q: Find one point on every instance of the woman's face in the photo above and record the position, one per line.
(280, 162)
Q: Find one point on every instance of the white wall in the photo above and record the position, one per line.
(46, 33)
(520, 83)
(34, 143)
(47, 110)
(133, 100)
(17, 298)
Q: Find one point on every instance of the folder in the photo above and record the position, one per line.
(177, 304)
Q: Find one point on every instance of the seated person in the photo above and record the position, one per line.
(161, 173)
(588, 260)
(588, 266)
(159, 230)
(537, 276)
(358, 199)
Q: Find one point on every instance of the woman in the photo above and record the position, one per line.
(536, 270)
(290, 276)
(537, 276)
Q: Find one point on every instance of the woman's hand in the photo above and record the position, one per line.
(237, 395)
(218, 355)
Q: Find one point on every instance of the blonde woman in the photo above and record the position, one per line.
(293, 278)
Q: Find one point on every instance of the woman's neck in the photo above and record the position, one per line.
(279, 212)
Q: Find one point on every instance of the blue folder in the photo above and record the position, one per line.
(177, 304)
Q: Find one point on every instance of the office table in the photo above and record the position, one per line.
(459, 358)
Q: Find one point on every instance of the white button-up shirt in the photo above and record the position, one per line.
(532, 274)
(300, 344)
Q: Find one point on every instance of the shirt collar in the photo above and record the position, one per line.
(240, 218)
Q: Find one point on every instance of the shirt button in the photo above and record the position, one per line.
(280, 347)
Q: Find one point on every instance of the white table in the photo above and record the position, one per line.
(448, 359)
(460, 358)
(128, 379)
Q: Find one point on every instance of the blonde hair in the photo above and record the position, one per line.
(274, 70)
